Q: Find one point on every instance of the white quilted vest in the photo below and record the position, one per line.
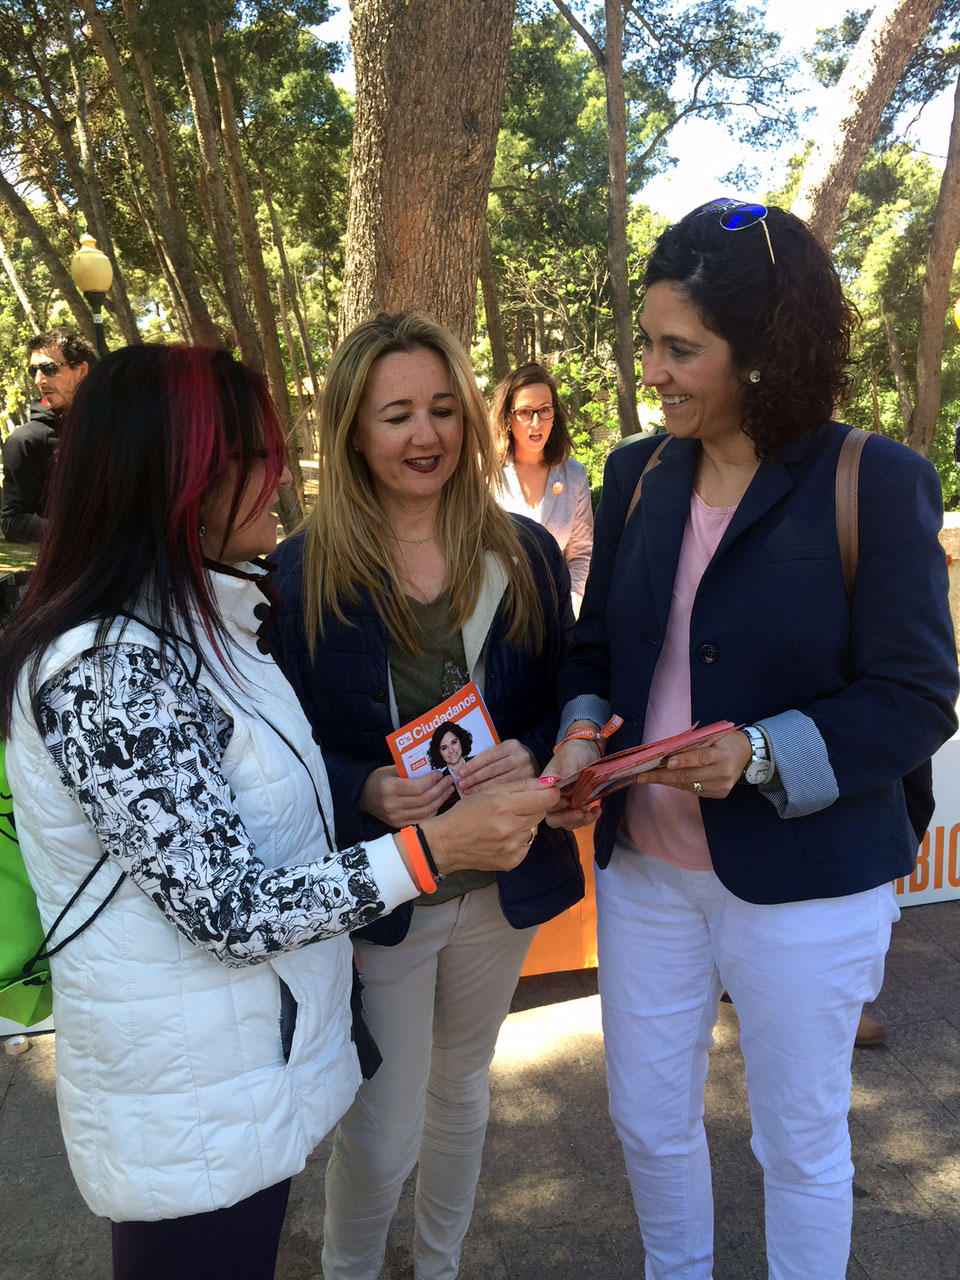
(173, 1093)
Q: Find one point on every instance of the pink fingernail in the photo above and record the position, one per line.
(548, 782)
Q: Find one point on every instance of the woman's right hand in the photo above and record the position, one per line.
(399, 802)
(492, 831)
(569, 759)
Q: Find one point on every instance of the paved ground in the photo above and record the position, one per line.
(553, 1201)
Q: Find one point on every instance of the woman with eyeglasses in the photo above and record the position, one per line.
(763, 863)
(187, 866)
(539, 477)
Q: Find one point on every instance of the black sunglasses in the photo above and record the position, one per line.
(47, 367)
(736, 215)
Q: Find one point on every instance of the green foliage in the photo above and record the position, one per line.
(547, 215)
(294, 123)
(881, 252)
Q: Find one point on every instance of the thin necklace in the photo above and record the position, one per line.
(414, 542)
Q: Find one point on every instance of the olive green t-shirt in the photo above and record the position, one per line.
(422, 680)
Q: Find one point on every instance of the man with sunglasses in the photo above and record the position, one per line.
(57, 362)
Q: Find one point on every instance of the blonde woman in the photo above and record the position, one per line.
(409, 581)
(539, 477)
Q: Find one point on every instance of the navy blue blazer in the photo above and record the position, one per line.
(344, 692)
(771, 630)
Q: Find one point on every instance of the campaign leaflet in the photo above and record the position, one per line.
(444, 737)
(613, 772)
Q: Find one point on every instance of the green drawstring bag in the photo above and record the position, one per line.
(26, 994)
(24, 997)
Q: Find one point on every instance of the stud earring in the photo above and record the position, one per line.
(754, 376)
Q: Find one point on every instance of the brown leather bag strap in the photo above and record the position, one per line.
(652, 461)
(846, 501)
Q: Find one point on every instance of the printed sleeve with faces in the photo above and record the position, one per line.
(140, 748)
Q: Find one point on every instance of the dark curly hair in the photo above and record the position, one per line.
(557, 448)
(789, 319)
(463, 736)
(74, 345)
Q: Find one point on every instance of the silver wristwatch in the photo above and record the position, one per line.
(760, 768)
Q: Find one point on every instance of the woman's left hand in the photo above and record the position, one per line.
(508, 761)
(717, 768)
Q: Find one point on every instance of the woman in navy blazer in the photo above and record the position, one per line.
(762, 863)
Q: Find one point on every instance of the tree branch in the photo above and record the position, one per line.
(583, 33)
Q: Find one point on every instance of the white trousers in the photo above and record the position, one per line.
(798, 973)
(434, 1004)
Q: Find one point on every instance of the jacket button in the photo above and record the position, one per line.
(708, 653)
(379, 695)
(262, 611)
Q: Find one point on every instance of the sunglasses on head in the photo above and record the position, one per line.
(47, 367)
(735, 216)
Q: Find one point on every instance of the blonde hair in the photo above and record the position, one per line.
(346, 547)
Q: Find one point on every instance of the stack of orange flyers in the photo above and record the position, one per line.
(618, 770)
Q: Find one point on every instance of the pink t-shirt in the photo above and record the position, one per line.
(665, 821)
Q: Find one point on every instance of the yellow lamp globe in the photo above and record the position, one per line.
(91, 269)
(956, 313)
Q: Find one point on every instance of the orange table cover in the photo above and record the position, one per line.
(569, 941)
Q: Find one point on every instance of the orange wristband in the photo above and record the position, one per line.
(414, 849)
(593, 735)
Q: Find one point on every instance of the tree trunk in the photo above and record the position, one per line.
(178, 303)
(327, 313)
(59, 275)
(164, 201)
(56, 122)
(610, 61)
(211, 176)
(24, 298)
(935, 296)
(617, 221)
(899, 372)
(302, 402)
(875, 404)
(291, 292)
(253, 258)
(97, 222)
(491, 306)
(185, 287)
(859, 97)
(430, 81)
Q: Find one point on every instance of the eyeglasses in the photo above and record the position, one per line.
(47, 367)
(526, 416)
(735, 216)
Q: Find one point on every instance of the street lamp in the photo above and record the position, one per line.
(93, 276)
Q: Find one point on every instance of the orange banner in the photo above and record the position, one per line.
(569, 941)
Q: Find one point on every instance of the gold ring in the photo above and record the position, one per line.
(697, 788)
(533, 835)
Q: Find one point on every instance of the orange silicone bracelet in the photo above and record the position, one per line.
(415, 850)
